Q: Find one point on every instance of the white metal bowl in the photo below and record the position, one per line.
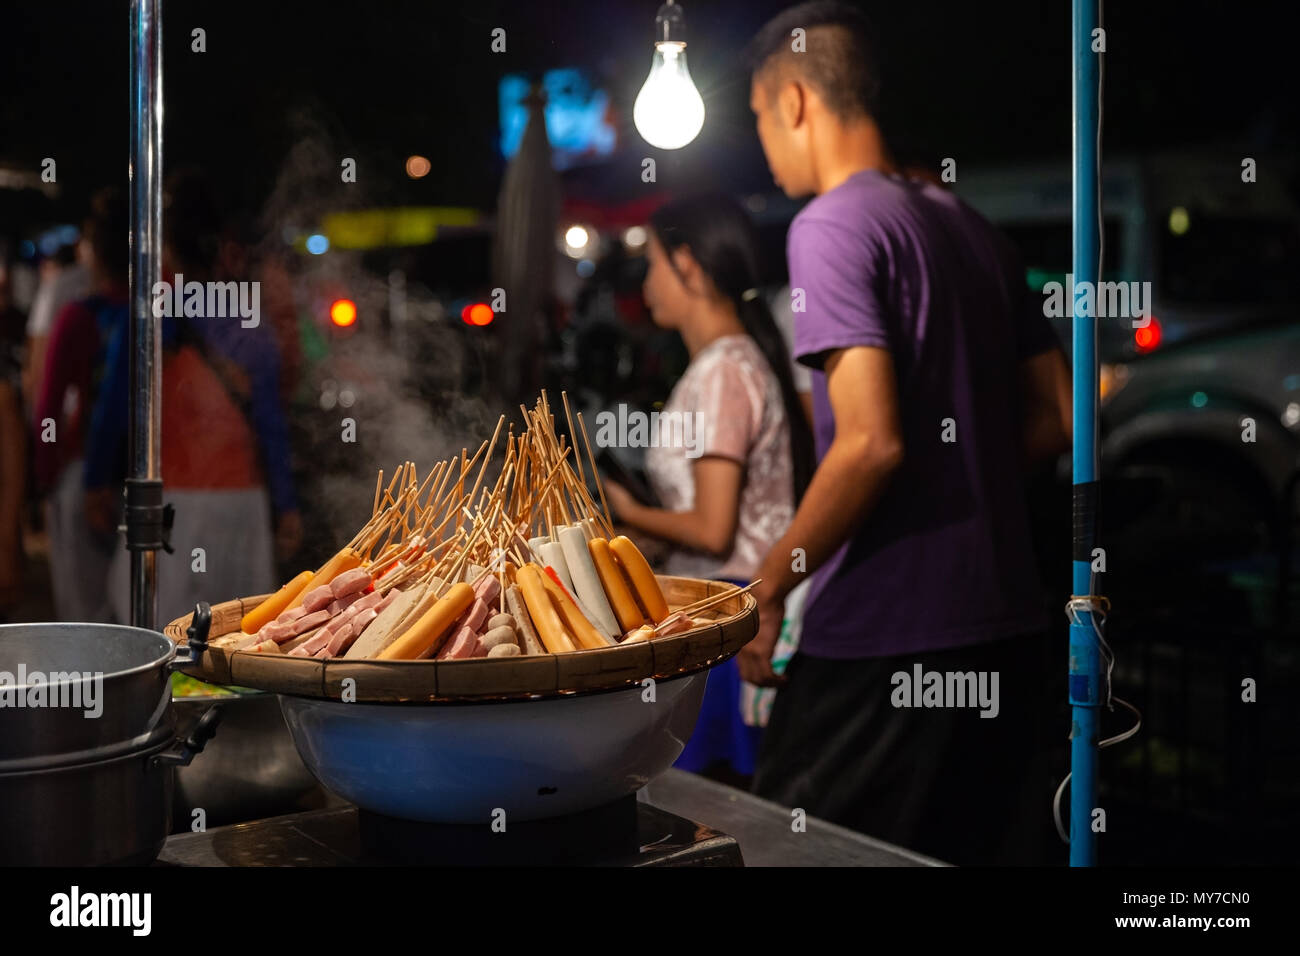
(462, 763)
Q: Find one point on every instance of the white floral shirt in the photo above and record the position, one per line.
(730, 392)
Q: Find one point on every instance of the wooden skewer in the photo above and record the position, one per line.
(427, 480)
(545, 485)
(460, 482)
(708, 602)
(398, 511)
(595, 474)
(568, 414)
(366, 529)
(483, 467)
(437, 495)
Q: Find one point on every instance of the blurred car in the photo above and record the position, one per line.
(1217, 252)
(1200, 415)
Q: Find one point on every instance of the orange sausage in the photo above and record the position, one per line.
(430, 630)
(345, 560)
(579, 626)
(615, 585)
(270, 609)
(642, 578)
(532, 585)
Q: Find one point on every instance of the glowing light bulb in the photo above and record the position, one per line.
(668, 111)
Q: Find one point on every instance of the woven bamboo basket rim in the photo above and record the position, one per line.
(734, 622)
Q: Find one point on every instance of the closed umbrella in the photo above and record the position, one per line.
(524, 254)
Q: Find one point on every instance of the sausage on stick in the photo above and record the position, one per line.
(642, 578)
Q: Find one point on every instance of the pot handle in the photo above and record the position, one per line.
(182, 751)
(196, 638)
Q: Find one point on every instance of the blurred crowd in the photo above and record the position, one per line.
(65, 407)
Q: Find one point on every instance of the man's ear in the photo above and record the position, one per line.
(792, 101)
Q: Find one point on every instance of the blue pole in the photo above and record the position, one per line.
(1086, 690)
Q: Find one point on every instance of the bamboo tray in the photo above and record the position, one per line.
(724, 630)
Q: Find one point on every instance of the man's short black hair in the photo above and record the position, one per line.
(840, 58)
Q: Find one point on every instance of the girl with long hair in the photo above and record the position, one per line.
(739, 454)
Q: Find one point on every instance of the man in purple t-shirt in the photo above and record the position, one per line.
(936, 380)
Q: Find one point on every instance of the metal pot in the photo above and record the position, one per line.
(459, 763)
(122, 669)
(249, 772)
(86, 770)
(106, 812)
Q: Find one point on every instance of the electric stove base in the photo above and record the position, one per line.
(627, 832)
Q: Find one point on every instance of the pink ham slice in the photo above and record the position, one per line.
(488, 589)
(344, 636)
(340, 627)
(460, 646)
(373, 599)
(476, 616)
(316, 642)
(339, 605)
(281, 633)
(317, 599)
(275, 631)
(465, 637)
(291, 615)
(307, 622)
(350, 582)
(364, 602)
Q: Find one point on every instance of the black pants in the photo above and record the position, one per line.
(943, 781)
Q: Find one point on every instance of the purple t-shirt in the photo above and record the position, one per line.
(944, 559)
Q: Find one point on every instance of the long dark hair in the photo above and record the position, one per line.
(722, 239)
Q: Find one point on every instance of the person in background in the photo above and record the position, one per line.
(729, 485)
(80, 545)
(935, 379)
(225, 454)
(13, 449)
(66, 277)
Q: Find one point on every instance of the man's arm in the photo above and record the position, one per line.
(1047, 409)
(866, 451)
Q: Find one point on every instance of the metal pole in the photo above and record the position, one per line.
(1086, 679)
(144, 512)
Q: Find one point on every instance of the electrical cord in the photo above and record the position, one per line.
(1072, 607)
(1108, 742)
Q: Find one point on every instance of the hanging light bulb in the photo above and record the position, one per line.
(668, 111)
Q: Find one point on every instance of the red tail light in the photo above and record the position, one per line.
(1148, 337)
(477, 313)
(343, 312)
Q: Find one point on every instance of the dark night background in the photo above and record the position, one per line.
(978, 82)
